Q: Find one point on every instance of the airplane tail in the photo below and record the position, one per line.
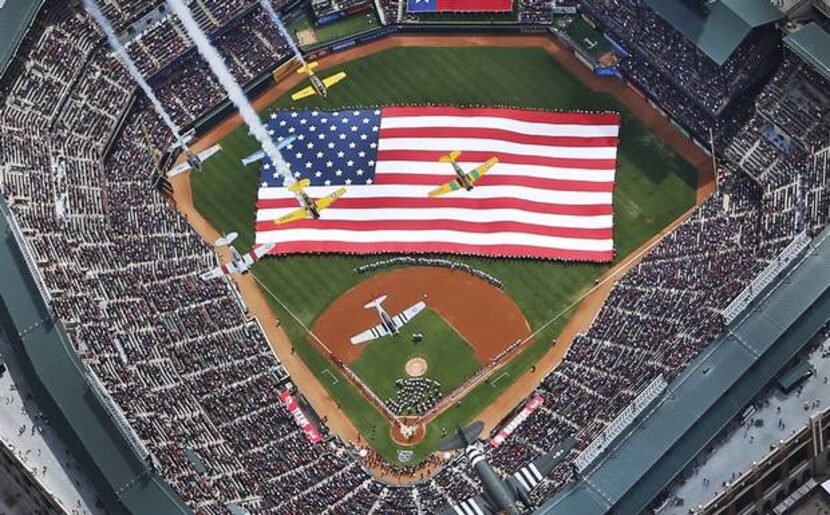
(451, 157)
(462, 437)
(308, 68)
(377, 302)
(299, 185)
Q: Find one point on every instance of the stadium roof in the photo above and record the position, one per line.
(15, 18)
(700, 402)
(719, 30)
(812, 44)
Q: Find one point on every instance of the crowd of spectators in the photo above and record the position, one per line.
(196, 378)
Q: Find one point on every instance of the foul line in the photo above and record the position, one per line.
(334, 379)
(295, 317)
(496, 380)
(622, 266)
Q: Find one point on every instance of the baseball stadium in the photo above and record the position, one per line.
(415, 256)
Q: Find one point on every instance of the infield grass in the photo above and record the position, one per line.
(450, 359)
(654, 187)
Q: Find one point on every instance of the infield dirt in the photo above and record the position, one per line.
(486, 317)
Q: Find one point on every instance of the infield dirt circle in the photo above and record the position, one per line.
(485, 316)
(416, 367)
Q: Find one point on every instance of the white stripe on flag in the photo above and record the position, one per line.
(563, 197)
(427, 143)
(418, 236)
(454, 214)
(506, 169)
(494, 122)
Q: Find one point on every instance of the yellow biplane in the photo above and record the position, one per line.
(318, 86)
(311, 208)
(462, 179)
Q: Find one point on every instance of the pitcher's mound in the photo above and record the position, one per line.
(416, 367)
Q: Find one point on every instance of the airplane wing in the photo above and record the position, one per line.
(334, 79)
(528, 477)
(214, 273)
(324, 202)
(408, 314)
(453, 185)
(476, 174)
(293, 216)
(204, 155)
(472, 506)
(303, 93)
(370, 334)
(253, 158)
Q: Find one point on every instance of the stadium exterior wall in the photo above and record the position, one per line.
(124, 483)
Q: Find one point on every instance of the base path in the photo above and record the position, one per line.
(486, 317)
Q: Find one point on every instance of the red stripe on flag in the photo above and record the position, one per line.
(449, 202)
(440, 225)
(304, 247)
(496, 134)
(475, 5)
(516, 159)
(495, 180)
(512, 114)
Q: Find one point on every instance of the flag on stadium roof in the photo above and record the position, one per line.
(431, 6)
(549, 196)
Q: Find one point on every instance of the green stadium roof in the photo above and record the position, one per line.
(15, 18)
(718, 31)
(812, 44)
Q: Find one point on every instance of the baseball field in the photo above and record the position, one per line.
(655, 185)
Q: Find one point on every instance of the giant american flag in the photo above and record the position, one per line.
(550, 195)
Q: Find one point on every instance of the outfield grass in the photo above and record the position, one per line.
(340, 29)
(654, 186)
(450, 359)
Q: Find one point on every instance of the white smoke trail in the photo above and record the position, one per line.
(266, 4)
(125, 59)
(234, 90)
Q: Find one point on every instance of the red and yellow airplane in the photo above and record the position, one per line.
(318, 86)
(311, 208)
(462, 179)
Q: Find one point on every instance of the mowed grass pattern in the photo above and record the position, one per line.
(450, 359)
(654, 187)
